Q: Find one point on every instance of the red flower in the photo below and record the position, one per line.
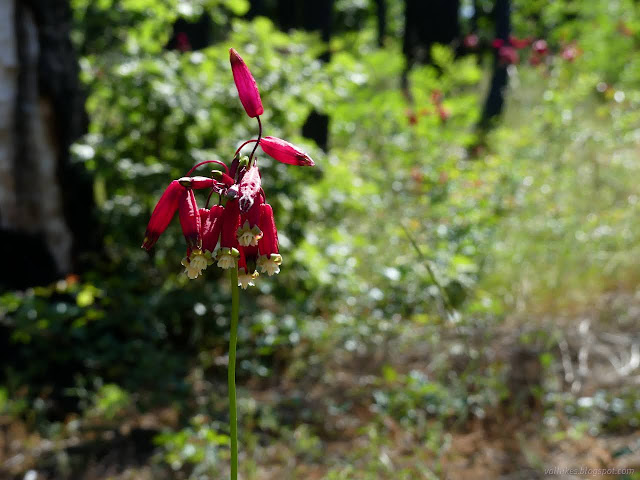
(285, 152)
(540, 47)
(570, 53)
(519, 43)
(508, 55)
(228, 241)
(190, 220)
(247, 267)
(163, 213)
(471, 41)
(269, 260)
(246, 85)
(244, 226)
(211, 226)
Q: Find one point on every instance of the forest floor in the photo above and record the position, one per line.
(515, 440)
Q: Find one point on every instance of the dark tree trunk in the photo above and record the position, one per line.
(427, 23)
(45, 201)
(194, 35)
(381, 11)
(495, 98)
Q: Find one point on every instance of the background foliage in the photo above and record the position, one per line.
(443, 292)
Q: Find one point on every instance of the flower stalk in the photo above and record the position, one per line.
(239, 233)
(231, 372)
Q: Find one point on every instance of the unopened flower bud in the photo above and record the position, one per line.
(246, 85)
(285, 152)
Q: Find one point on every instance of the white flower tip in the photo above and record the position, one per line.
(226, 261)
(192, 273)
(245, 279)
(270, 265)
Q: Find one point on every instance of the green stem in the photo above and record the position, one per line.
(233, 340)
(448, 306)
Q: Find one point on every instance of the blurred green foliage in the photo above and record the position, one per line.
(412, 236)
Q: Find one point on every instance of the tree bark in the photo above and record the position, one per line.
(45, 202)
(495, 97)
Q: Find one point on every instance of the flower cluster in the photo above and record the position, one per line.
(240, 230)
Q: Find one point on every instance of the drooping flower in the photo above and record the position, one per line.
(242, 223)
(211, 227)
(285, 152)
(246, 267)
(162, 214)
(246, 85)
(228, 241)
(194, 264)
(190, 220)
(249, 232)
(269, 260)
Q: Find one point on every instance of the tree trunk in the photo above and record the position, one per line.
(45, 203)
(427, 23)
(495, 98)
(381, 13)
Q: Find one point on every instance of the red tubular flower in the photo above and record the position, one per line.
(269, 260)
(249, 232)
(228, 240)
(163, 213)
(285, 152)
(211, 226)
(190, 220)
(246, 85)
(247, 267)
